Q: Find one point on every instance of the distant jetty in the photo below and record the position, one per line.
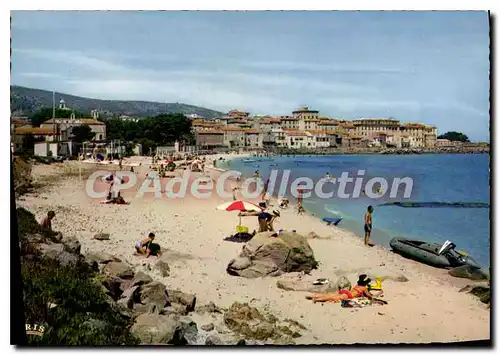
(469, 149)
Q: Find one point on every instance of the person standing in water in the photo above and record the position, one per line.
(368, 224)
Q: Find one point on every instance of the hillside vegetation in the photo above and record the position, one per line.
(30, 100)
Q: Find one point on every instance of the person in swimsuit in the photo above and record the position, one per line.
(368, 225)
(143, 245)
(360, 290)
(264, 190)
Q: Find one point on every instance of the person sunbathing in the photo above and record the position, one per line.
(143, 246)
(359, 290)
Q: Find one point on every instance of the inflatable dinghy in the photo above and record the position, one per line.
(433, 254)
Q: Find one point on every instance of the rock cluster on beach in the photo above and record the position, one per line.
(162, 315)
(268, 254)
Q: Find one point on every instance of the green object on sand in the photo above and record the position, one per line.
(428, 253)
(155, 248)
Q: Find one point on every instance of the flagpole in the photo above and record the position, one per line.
(54, 115)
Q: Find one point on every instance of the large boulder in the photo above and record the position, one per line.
(72, 245)
(159, 329)
(128, 297)
(141, 278)
(100, 257)
(186, 299)
(249, 322)
(102, 236)
(268, 255)
(154, 293)
(119, 269)
(57, 252)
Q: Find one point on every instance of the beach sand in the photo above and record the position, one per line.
(427, 308)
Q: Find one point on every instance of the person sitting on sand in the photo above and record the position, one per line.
(284, 202)
(47, 221)
(359, 290)
(143, 246)
(264, 190)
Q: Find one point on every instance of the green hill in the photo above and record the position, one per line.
(29, 100)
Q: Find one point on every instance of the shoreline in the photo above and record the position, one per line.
(426, 308)
(409, 151)
(356, 225)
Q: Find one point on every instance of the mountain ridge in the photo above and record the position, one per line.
(29, 100)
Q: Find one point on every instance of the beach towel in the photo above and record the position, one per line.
(361, 302)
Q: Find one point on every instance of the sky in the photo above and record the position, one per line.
(430, 67)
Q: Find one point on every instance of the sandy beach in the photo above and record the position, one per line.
(426, 308)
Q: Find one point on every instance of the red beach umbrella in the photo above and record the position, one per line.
(239, 205)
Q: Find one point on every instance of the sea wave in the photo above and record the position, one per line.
(332, 210)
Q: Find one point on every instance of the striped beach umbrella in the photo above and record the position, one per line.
(239, 205)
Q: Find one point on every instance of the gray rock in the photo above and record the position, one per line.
(140, 308)
(208, 327)
(56, 252)
(213, 339)
(159, 329)
(102, 236)
(153, 308)
(162, 267)
(186, 299)
(100, 257)
(271, 256)
(469, 272)
(208, 308)
(221, 329)
(111, 284)
(118, 269)
(141, 279)
(240, 263)
(156, 293)
(129, 297)
(176, 308)
(72, 245)
(190, 330)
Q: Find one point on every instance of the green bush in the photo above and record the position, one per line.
(83, 315)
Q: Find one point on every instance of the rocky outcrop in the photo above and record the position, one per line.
(100, 257)
(72, 245)
(154, 293)
(480, 290)
(58, 253)
(270, 255)
(118, 269)
(250, 323)
(101, 236)
(469, 272)
(154, 329)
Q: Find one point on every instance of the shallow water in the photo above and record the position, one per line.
(436, 178)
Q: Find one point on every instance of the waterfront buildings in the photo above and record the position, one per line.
(306, 129)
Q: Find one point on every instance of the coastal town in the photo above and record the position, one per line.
(247, 178)
(304, 130)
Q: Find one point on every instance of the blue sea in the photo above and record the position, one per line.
(436, 178)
